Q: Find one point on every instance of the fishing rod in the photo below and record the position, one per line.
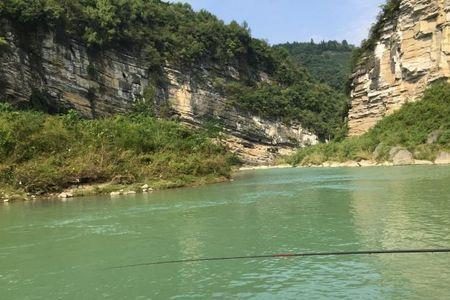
(287, 255)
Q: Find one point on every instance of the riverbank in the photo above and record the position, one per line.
(43, 155)
(418, 133)
(50, 156)
(8, 195)
(116, 190)
(368, 163)
(251, 168)
(355, 164)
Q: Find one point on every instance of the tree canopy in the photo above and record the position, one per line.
(327, 62)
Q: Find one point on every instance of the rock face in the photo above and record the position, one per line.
(443, 158)
(413, 51)
(62, 75)
(400, 156)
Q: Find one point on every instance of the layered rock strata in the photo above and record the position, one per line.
(62, 75)
(412, 52)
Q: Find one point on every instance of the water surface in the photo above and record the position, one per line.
(65, 250)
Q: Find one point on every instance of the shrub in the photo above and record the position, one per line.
(388, 12)
(42, 153)
(409, 127)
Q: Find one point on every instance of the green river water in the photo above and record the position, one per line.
(67, 250)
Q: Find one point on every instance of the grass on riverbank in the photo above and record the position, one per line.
(41, 154)
(409, 127)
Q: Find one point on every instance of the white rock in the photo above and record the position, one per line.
(145, 187)
(130, 193)
(423, 162)
(346, 164)
(327, 164)
(115, 194)
(402, 158)
(367, 163)
(385, 164)
(443, 158)
(394, 151)
(65, 195)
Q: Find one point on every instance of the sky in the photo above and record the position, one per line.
(279, 21)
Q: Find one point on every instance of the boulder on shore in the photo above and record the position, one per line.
(394, 151)
(402, 157)
(443, 158)
(65, 195)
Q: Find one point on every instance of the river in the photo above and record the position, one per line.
(69, 250)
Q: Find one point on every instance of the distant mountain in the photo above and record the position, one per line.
(327, 62)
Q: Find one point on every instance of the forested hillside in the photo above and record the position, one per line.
(327, 62)
(252, 75)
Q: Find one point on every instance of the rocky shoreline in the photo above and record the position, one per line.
(398, 157)
(106, 189)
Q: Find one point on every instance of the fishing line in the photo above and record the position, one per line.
(286, 255)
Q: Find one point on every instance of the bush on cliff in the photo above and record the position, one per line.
(41, 153)
(389, 11)
(409, 127)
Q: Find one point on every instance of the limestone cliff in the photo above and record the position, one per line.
(62, 75)
(413, 51)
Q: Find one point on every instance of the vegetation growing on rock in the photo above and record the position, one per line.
(414, 127)
(388, 12)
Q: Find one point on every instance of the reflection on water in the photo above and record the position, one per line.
(65, 250)
(403, 210)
